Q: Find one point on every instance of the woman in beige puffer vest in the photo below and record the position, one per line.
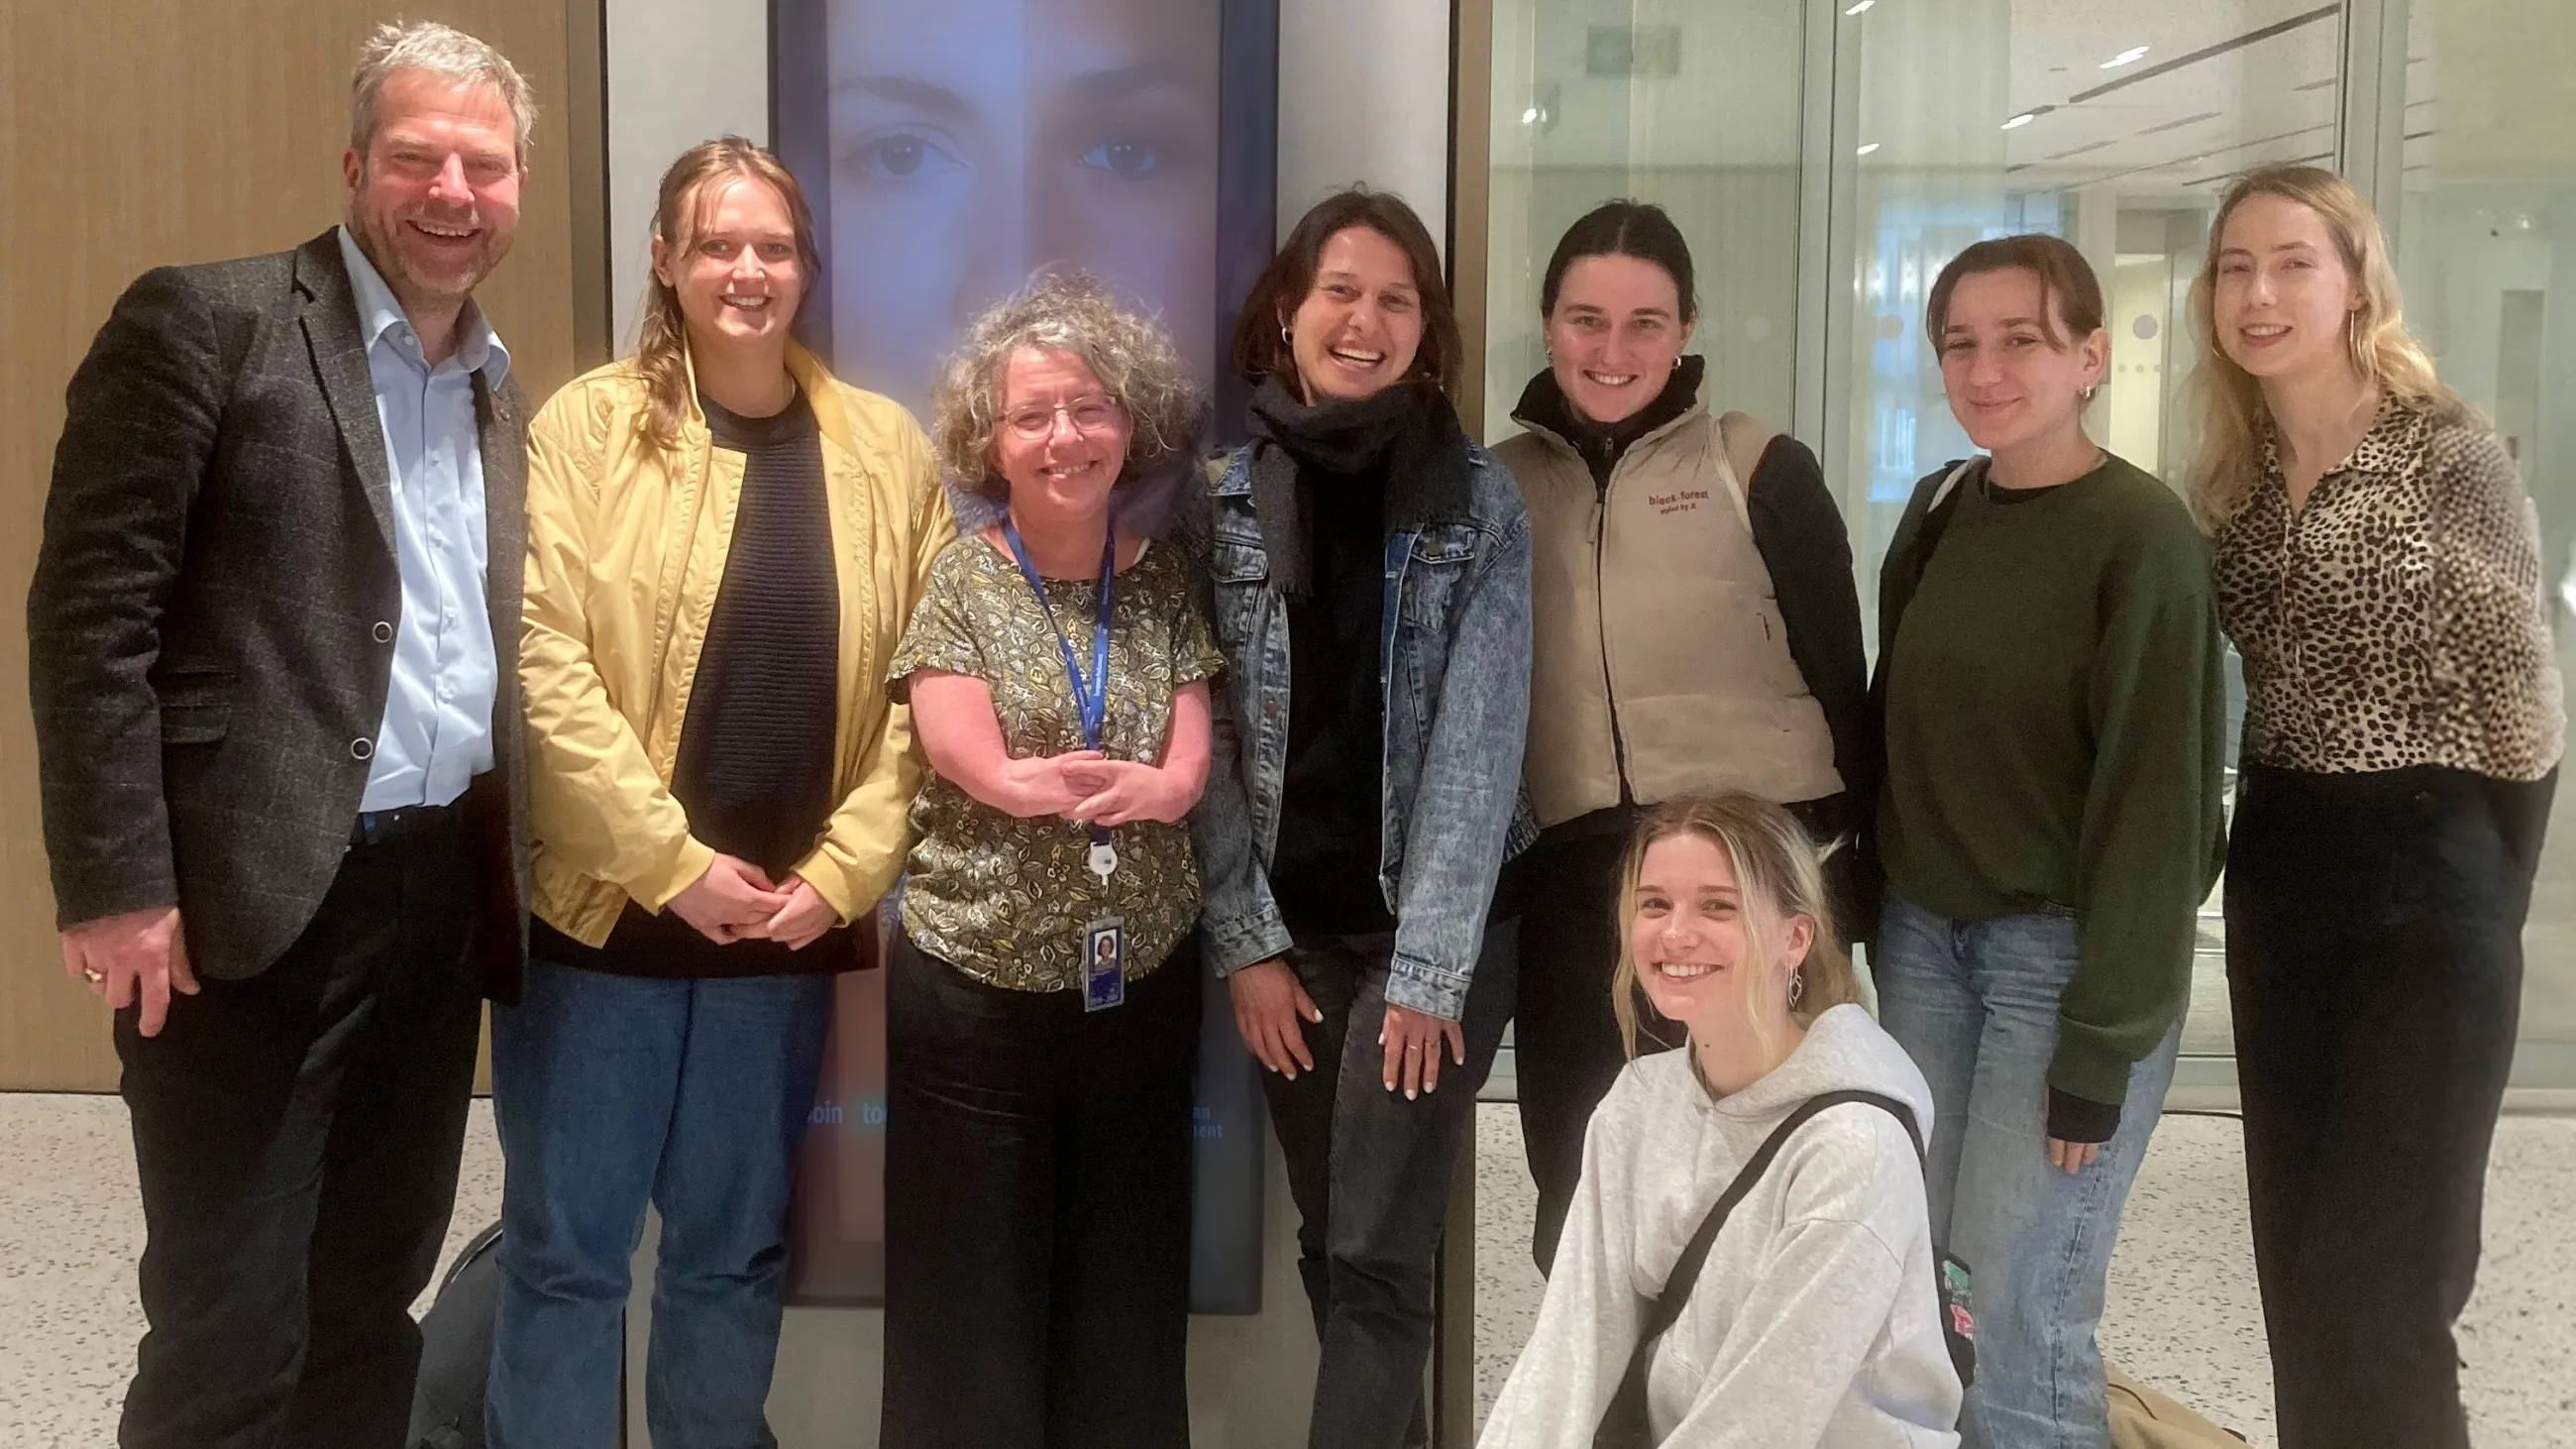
(1695, 630)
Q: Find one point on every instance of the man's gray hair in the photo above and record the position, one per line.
(443, 51)
(1134, 360)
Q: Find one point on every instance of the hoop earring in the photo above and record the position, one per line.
(1284, 334)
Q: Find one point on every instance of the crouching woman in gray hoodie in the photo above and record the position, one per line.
(1814, 1318)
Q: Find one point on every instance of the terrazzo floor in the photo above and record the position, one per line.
(70, 1231)
(2183, 1314)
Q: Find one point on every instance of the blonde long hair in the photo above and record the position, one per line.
(2229, 403)
(688, 191)
(1774, 862)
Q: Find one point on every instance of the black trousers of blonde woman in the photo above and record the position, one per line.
(2374, 966)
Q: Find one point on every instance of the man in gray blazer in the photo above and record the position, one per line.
(273, 640)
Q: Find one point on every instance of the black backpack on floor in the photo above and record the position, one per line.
(456, 1350)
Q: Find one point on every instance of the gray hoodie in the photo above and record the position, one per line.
(1815, 1320)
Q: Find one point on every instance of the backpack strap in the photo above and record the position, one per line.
(1624, 1422)
(1667, 1309)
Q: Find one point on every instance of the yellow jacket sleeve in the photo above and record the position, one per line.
(594, 797)
(863, 848)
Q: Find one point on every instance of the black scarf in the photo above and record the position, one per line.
(1408, 431)
(1544, 404)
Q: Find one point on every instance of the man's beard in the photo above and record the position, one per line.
(395, 263)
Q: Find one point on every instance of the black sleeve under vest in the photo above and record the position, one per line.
(1805, 546)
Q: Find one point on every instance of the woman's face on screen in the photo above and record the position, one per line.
(978, 143)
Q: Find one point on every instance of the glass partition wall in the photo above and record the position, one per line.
(1690, 104)
(1826, 157)
(2486, 248)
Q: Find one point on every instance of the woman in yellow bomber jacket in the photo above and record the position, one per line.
(724, 547)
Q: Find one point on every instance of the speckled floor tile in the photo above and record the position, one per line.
(70, 1231)
(2183, 1314)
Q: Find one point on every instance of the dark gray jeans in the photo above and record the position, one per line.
(1370, 1172)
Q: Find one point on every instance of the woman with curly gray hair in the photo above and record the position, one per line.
(1043, 1007)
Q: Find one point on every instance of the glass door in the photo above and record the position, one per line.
(2113, 125)
(2486, 250)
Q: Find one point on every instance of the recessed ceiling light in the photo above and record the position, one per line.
(2024, 119)
(2130, 56)
(1859, 5)
(1865, 150)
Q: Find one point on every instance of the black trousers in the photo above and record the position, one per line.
(2374, 962)
(1370, 1172)
(297, 1137)
(1037, 1211)
(1566, 1051)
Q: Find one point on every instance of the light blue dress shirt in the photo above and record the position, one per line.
(437, 730)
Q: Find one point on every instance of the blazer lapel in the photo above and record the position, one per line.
(330, 318)
(505, 516)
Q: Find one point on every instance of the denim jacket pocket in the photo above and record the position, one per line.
(1437, 565)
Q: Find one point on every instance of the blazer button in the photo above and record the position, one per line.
(384, 632)
(362, 749)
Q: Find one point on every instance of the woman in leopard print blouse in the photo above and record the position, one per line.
(2378, 566)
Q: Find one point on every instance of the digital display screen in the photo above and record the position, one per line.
(953, 152)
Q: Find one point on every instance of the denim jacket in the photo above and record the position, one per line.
(1453, 671)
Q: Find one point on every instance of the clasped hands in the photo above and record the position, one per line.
(735, 900)
(1088, 788)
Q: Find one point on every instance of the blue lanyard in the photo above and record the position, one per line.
(1090, 699)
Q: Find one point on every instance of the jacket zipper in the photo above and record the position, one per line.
(1601, 619)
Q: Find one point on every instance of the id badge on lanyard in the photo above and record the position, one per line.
(1104, 941)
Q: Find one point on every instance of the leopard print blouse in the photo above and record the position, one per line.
(2397, 619)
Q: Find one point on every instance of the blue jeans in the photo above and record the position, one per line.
(1975, 1004)
(610, 1091)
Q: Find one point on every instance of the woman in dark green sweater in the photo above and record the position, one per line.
(2049, 822)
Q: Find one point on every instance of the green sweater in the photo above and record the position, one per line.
(2054, 732)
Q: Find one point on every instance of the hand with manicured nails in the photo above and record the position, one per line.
(1410, 1042)
(134, 956)
(1271, 1009)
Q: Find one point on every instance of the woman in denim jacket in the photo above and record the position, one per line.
(1371, 564)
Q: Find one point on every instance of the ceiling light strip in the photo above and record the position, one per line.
(2282, 27)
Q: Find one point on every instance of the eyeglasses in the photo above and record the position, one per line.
(1087, 414)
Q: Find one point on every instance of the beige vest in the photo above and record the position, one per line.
(1656, 638)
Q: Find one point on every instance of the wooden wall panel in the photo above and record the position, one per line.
(135, 133)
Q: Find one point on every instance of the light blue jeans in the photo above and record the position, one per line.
(1975, 1004)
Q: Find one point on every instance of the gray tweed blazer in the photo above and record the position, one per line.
(207, 651)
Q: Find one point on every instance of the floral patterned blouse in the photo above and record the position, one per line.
(2397, 619)
(1006, 900)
